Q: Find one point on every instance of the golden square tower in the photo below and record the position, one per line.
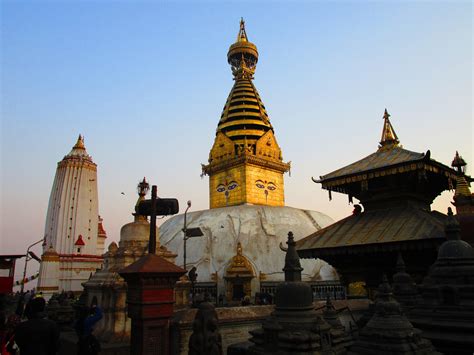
(245, 162)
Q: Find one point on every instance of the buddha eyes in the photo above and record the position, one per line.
(269, 186)
(232, 185)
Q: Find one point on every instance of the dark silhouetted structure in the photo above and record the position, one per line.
(396, 187)
(446, 315)
(389, 331)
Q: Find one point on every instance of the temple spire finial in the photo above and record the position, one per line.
(242, 55)
(80, 143)
(389, 137)
(242, 36)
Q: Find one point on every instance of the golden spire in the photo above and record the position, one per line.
(245, 149)
(242, 55)
(80, 143)
(242, 36)
(389, 137)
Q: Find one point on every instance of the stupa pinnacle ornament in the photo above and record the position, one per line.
(245, 163)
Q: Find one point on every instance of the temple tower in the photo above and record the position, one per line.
(245, 162)
(72, 223)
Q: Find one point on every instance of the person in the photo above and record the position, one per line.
(7, 341)
(88, 343)
(38, 335)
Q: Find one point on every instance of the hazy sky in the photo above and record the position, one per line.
(145, 82)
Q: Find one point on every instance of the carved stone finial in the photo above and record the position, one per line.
(292, 267)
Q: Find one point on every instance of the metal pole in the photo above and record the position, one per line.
(27, 258)
(152, 243)
(19, 307)
(185, 229)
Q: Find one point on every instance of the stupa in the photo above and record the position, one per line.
(74, 236)
(447, 311)
(389, 331)
(247, 220)
(108, 286)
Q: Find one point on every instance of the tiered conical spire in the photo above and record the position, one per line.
(245, 161)
(389, 137)
(244, 116)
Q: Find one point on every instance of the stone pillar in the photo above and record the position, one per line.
(150, 297)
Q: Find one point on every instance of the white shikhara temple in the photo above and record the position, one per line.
(74, 236)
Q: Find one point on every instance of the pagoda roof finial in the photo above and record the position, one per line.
(80, 143)
(389, 137)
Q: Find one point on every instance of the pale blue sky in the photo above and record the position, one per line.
(145, 82)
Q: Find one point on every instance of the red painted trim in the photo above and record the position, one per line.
(79, 241)
(80, 256)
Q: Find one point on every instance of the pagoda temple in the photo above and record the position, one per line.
(396, 188)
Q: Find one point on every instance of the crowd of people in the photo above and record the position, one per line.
(28, 331)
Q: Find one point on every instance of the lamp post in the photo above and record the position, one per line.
(185, 230)
(27, 258)
(28, 255)
(189, 233)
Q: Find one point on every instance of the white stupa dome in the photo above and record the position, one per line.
(259, 229)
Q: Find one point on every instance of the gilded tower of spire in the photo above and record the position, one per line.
(389, 137)
(245, 162)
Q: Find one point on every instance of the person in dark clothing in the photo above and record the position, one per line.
(88, 343)
(38, 335)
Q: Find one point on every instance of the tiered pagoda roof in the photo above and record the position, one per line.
(396, 186)
(389, 159)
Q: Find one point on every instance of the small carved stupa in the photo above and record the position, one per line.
(389, 331)
(294, 326)
(340, 337)
(404, 289)
(447, 312)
